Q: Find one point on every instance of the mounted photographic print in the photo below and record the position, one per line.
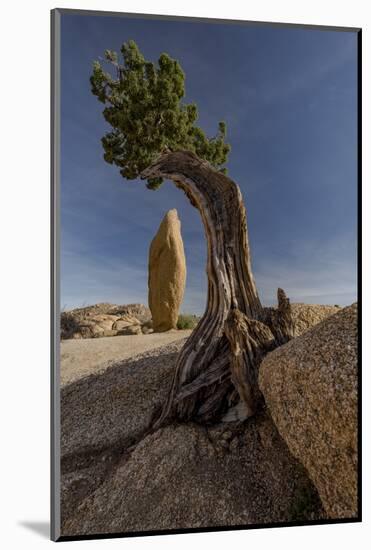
(205, 197)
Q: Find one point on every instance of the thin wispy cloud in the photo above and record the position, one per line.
(289, 99)
(89, 280)
(311, 272)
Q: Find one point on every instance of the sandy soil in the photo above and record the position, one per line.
(81, 358)
(117, 477)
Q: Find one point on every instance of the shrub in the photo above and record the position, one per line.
(187, 321)
(69, 325)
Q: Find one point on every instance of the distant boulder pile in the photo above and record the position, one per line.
(106, 320)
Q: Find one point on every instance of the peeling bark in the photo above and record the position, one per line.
(249, 341)
(217, 368)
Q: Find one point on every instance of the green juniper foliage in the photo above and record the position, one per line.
(187, 321)
(143, 104)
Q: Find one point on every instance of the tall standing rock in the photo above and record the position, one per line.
(167, 273)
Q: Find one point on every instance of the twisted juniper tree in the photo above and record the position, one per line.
(154, 137)
(144, 108)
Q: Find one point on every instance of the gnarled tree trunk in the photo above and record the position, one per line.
(216, 371)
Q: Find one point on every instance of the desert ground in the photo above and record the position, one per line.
(278, 466)
(83, 357)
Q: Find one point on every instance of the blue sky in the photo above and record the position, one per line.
(289, 97)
